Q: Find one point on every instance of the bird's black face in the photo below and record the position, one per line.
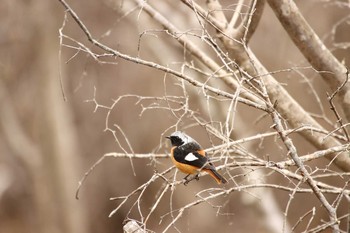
(175, 140)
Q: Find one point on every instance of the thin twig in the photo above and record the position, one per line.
(333, 108)
(255, 103)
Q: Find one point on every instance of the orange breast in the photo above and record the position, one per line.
(185, 168)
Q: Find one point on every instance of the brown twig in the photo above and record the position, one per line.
(333, 108)
(313, 49)
(293, 153)
(249, 160)
(287, 105)
(251, 99)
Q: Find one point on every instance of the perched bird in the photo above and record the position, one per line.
(190, 158)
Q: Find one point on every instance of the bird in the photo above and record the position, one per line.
(189, 157)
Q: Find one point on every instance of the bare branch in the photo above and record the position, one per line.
(252, 101)
(133, 227)
(211, 81)
(312, 48)
(331, 97)
(289, 109)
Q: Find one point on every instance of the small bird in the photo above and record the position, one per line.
(190, 158)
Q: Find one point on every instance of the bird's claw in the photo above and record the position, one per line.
(196, 177)
(186, 182)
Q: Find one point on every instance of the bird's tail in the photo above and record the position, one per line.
(219, 178)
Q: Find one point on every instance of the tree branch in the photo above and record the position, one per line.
(312, 48)
(287, 106)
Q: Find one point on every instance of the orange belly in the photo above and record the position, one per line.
(185, 168)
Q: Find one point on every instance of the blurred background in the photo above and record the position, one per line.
(47, 143)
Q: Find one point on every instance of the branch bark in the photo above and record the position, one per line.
(310, 45)
(285, 104)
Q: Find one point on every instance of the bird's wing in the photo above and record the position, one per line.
(196, 159)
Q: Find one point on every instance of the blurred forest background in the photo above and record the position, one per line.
(60, 113)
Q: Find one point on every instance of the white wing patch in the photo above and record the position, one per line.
(190, 157)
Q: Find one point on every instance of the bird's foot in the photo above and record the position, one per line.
(196, 176)
(187, 180)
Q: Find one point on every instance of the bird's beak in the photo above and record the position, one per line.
(168, 137)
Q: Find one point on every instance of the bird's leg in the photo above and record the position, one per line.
(196, 176)
(186, 180)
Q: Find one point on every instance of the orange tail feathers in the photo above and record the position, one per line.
(219, 178)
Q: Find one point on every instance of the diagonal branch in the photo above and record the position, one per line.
(294, 155)
(331, 97)
(251, 20)
(249, 98)
(287, 106)
(312, 48)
